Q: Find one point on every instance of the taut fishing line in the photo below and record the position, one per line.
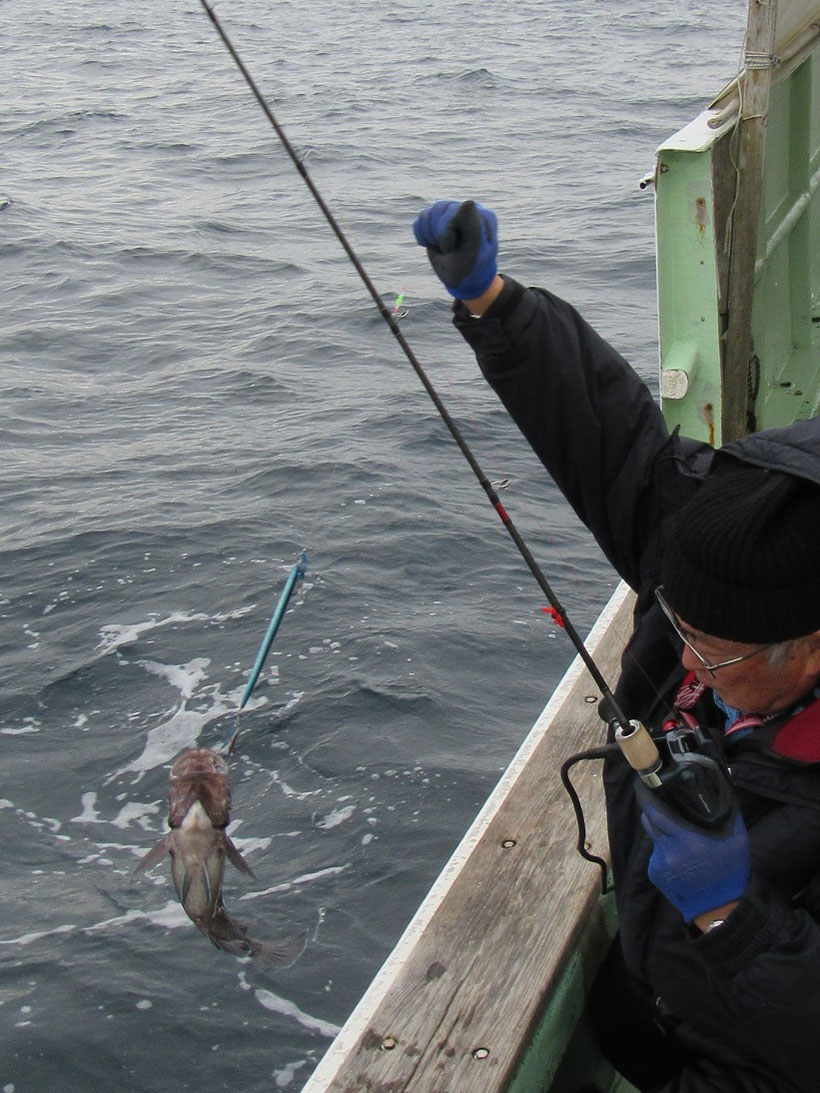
(610, 710)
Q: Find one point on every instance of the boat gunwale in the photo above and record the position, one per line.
(360, 1020)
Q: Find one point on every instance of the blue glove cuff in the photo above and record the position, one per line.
(697, 870)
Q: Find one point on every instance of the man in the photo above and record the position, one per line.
(718, 984)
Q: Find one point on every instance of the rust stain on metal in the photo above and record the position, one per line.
(709, 415)
(700, 214)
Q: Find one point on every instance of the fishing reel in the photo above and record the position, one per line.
(684, 767)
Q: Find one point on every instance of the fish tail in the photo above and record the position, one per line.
(284, 952)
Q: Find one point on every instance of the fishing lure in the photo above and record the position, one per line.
(296, 574)
(399, 310)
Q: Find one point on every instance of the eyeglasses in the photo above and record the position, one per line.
(711, 668)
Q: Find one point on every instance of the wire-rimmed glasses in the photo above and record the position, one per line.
(710, 668)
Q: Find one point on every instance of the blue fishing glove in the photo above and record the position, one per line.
(462, 245)
(697, 870)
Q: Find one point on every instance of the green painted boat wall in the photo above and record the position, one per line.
(563, 1056)
(687, 273)
(786, 313)
(694, 193)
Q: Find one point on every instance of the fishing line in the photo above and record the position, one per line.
(610, 710)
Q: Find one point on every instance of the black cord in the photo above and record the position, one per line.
(593, 753)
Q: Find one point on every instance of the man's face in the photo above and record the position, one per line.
(753, 684)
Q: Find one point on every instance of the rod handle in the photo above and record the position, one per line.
(641, 752)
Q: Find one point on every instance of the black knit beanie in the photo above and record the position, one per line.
(742, 562)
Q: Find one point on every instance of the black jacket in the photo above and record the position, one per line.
(752, 986)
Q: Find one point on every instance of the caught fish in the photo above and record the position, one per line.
(199, 809)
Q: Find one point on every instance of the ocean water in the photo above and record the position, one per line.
(194, 388)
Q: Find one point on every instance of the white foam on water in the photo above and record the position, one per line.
(171, 916)
(113, 635)
(184, 677)
(287, 1008)
(89, 814)
(228, 616)
(305, 878)
(182, 730)
(289, 791)
(284, 1077)
(168, 739)
(29, 939)
(247, 846)
(338, 816)
(293, 701)
(136, 812)
(331, 871)
(37, 822)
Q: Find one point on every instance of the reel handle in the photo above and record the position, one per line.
(691, 781)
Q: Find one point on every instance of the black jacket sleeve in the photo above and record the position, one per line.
(588, 416)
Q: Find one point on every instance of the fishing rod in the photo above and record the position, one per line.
(692, 775)
(610, 709)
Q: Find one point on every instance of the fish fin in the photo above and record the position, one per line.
(284, 952)
(187, 882)
(154, 855)
(236, 858)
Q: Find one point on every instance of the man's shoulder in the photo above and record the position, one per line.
(793, 449)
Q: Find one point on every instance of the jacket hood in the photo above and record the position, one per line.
(794, 449)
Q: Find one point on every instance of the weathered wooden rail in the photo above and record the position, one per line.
(510, 931)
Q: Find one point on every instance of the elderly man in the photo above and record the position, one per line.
(716, 982)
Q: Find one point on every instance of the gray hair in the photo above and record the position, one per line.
(778, 654)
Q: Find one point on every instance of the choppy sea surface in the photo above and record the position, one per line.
(194, 388)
